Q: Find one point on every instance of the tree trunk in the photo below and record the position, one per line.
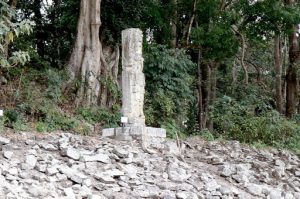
(206, 92)
(213, 88)
(292, 76)
(199, 82)
(191, 21)
(38, 31)
(87, 62)
(174, 25)
(278, 74)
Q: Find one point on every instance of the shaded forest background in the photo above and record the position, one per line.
(222, 69)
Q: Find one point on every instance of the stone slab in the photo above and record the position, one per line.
(135, 131)
(154, 137)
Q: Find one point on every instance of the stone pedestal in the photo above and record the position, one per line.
(133, 91)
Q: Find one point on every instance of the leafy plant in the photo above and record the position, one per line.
(245, 123)
(169, 85)
(8, 31)
(97, 115)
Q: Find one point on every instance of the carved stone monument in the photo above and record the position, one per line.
(133, 78)
(133, 91)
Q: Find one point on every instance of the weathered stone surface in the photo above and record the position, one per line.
(133, 78)
(122, 153)
(176, 173)
(8, 154)
(126, 170)
(31, 161)
(4, 140)
(71, 153)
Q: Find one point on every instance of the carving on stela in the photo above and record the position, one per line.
(133, 78)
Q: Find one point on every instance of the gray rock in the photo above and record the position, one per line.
(49, 147)
(275, 194)
(167, 185)
(288, 195)
(172, 148)
(186, 195)
(177, 173)
(297, 173)
(130, 170)
(41, 167)
(50, 171)
(104, 178)
(72, 174)
(94, 196)
(13, 171)
(71, 153)
(254, 189)
(146, 191)
(114, 173)
(38, 191)
(122, 153)
(211, 185)
(227, 170)
(8, 154)
(224, 190)
(96, 158)
(69, 193)
(31, 161)
(4, 141)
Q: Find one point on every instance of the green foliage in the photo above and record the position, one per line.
(99, 115)
(207, 135)
(169, 84)
(217, 42)
(250, 124)
(9, 30)
(174, 130)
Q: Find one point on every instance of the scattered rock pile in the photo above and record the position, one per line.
(70, 166)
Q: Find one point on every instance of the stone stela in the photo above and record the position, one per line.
(133, 78)
(133, 91)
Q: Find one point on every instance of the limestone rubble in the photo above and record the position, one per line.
(62, 165)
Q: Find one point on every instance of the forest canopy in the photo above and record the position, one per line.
(217, 68)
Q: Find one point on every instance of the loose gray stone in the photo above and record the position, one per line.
(186, 195)
(72, 174)
(254, 189)
(275, 194)
(31, 161)
(104, 178)
(176, 173)
(212, 185)
(69, 193)
(50, 171)
(72, 153)
(8, 154)
(49, 147)
(96, 158)
(122, 153)
(4, 141)
(93, 196)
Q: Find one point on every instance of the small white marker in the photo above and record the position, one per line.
(124, 119)
(1, 113)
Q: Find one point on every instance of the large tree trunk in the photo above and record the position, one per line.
(87, 61)
(206, 92)
(199, 85)
(174, 25)
(38, 32)
(278, 74)
(213, 88)
(292, 76)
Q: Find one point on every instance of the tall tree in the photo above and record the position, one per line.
(87, 61)
(292, 79)
(278, 73)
